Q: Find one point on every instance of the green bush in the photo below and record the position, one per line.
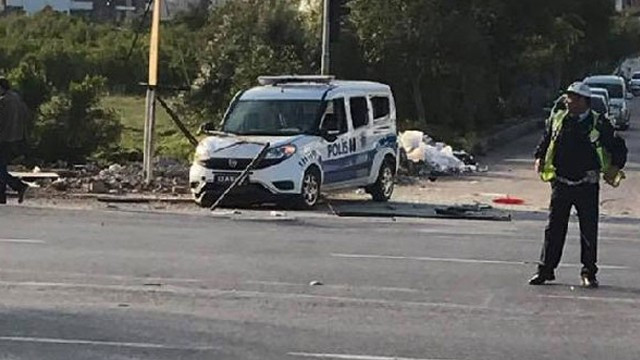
(71, 126)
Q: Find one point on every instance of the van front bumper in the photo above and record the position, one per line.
(269, 182)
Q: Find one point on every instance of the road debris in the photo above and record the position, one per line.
(278, 213)
(426, 211)
(508, 200)
(474, 212)
(171, 178)
(422, 156)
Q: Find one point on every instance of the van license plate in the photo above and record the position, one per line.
(225, 178)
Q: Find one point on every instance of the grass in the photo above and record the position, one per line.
(169, 141)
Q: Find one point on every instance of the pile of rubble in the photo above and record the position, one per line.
(422, 156)
(171, 177)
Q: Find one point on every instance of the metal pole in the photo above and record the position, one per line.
(150, 111)
(326, 56)
(149, 126)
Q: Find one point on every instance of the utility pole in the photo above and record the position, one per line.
(326, 48)
(150, 111)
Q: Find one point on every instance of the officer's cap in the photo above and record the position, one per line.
(579, 88)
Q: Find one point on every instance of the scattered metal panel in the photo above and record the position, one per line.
(426, 211)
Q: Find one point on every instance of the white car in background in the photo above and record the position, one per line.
(617, 88)
(634, 83)
(599, 104)
(602, 92)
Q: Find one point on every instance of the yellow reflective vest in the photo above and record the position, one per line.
(548, 172)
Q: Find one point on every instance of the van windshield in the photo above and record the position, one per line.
(615, 90)
(273, 117)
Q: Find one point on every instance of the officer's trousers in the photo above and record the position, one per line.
(585, 198)
(7, 153)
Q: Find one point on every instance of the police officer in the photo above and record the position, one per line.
(577, 146)
(13, 134)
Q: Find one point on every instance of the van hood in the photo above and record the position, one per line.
(240, 147)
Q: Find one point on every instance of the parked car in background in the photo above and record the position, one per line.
(634, 83)
(602, 92)
(599, 104)
(617, 88)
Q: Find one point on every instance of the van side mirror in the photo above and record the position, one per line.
(207, 127)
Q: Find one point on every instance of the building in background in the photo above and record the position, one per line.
(105, 10)
(627, 5)
(33, 6)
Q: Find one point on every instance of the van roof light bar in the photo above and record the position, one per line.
(295, 79)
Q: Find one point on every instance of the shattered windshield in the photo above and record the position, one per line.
(273, 117)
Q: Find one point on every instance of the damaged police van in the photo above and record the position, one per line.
(324, 135)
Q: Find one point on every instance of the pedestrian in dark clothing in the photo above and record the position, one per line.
(576, 148)
(14, 116)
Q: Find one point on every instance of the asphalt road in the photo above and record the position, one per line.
(125, 285)
(95, 284)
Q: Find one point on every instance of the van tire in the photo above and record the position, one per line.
(382, 189)
(310, 190)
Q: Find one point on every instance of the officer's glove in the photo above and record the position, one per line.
(614, 176)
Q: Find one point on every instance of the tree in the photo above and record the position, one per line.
(246, 39)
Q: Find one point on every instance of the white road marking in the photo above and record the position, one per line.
(450, 232)
(339, 286)
(463, 261)
(424, 258)
(103, 276)
(102, 343)
(22, 241)
(593, 298)
(351, 357)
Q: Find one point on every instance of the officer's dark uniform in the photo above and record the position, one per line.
(13, 133)
(576, 184)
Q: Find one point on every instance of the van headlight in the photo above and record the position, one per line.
(281, 152)
(201, 153)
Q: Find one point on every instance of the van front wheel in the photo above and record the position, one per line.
(310, 191)
(382, 189)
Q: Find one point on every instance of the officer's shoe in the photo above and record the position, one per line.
(21, 192)
(589, 281)
(541, 278)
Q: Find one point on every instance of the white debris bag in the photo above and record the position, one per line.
(411, 140)
(440, 157)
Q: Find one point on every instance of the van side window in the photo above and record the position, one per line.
(380, 106)
(335, 117)
(341, 115)
(359, 112)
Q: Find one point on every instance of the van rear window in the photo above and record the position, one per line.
(381, 107)
(359, 112)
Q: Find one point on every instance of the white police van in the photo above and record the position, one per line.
(324, 135)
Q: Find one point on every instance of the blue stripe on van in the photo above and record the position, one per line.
(357, 165)
(348, 167)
